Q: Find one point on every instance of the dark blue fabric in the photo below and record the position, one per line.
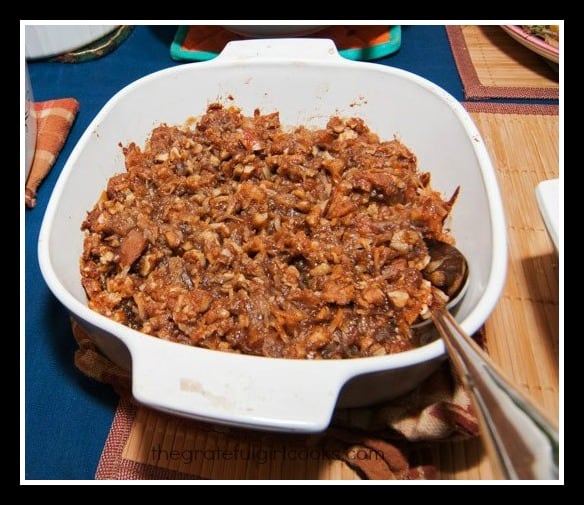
(68, 416)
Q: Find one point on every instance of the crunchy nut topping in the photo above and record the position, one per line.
(233, 234)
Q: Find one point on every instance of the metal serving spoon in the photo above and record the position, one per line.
(521, 441)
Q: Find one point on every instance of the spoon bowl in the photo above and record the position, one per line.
(448, 272)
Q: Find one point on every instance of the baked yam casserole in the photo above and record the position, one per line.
(235, 234)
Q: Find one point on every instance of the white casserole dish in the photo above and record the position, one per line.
(307, 82)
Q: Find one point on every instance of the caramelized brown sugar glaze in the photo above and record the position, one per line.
(235, 234)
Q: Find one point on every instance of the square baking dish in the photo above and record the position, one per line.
(306, 81)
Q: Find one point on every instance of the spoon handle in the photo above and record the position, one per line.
(521, 441)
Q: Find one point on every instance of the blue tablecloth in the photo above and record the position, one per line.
(67, 415)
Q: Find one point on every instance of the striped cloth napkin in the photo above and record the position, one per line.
(384, 436)
(54, 120)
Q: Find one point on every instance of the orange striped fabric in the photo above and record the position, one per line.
(54, 120)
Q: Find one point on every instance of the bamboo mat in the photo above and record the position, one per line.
(493, 65)
(522, 336)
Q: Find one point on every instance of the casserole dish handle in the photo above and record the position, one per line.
(247, 391)
(303, 49)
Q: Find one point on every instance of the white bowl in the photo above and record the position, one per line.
(49, 40)
(547, 194)
(30, 124)
(307, 82)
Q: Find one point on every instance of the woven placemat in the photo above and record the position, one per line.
(522, 336)
(524, 330)
(493, 65)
